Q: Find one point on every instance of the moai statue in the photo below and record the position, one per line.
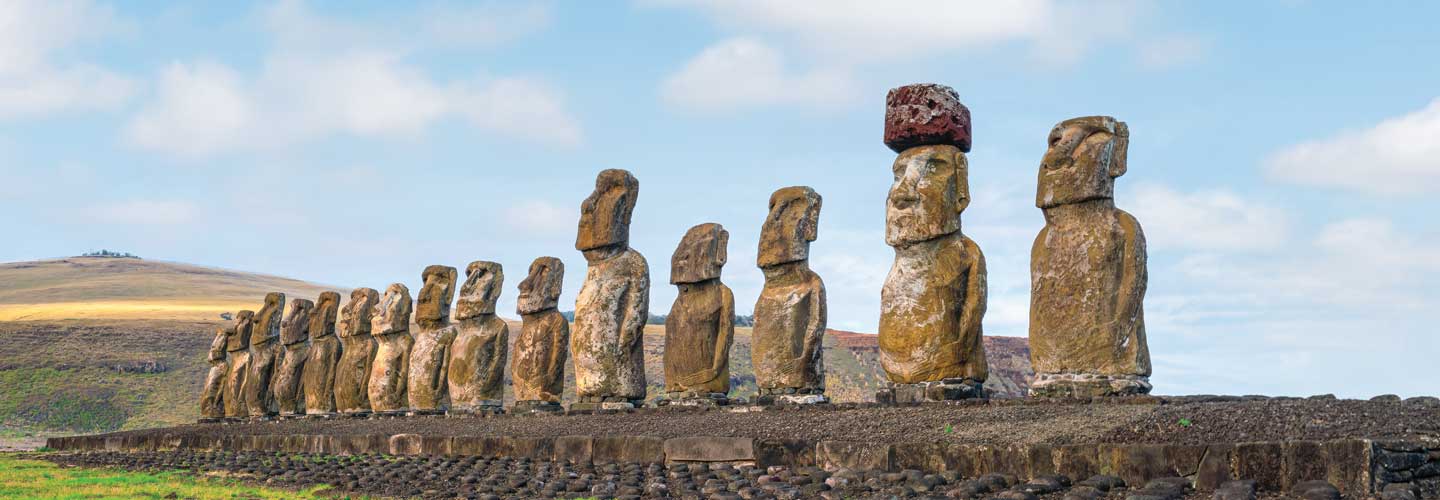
(318, 380)
(790, 315)
(476, 369)
(295, 337)
(357, 352)
(614, 303)
(212, 395)
(934, 297)
(701, 324)
(390, 325)
(1087, 269)
(237, 355)
(431, 350)
(538, 373)
(264, 352)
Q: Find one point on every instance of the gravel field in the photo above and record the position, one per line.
(1184, 420)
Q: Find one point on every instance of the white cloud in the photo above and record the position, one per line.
(144, 212)
(1207, 220)
(1171, 51)
(34, 79)
(742, 72)
(1398, 156)
(444, 25)
(347, 84)
(541, 217)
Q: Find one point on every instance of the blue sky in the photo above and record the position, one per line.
(1284, 161)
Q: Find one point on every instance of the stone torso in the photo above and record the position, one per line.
(387, 373)
(610, 315)
(477, 360)
(318, 381)
(540, 354)
(785, 317)
(922, 335)
(427, 366)
(352, 373)
(693, 336)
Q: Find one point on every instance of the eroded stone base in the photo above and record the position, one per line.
(1072, 385)
(210, 420)
(709, 400)
(594, 403)
(486, 407)
(532, 407)
(792, 399)
(931, 392)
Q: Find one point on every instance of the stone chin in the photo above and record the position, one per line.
(905, 229)
(530, 305)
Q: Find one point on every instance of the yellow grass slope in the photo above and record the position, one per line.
(121, 288)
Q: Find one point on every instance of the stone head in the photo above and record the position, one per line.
(793, 222)
(267, 320)
(483, 282)
(433, 304)
(701, 254)
(322, 319)
(239, 330)
(1084, 157)
(296, 326)
(605, 215)
(355, 318)
(541, 289)
(392, 313)
(931, 188)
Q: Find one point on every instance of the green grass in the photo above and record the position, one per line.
(33, 479)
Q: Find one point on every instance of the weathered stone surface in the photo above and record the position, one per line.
(212, 394)
(538, 371)
(614, 303)
(390, 325)
(640, 449)
(832, 455)
(264, 349)
(318, 380)
(934, 297)
(709, 449)
(431, 350)
(1347, 465)
(294, 336)
(476, 369)
(1087, 269)
(576, 449)
(790, 314)
(238, 359)
(357, 352)
(405, 444)
(793, 453)
(925, 114)
(701, 324)
(1261, 462)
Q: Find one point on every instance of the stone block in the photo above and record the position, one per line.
(709, 449)
(1135, 463)
(1347, 465)
(832, 455)
(576, 449)
(405, 444)
(529, 447)
(1077, 461)
(1260, 462)
(435, 445)
(1303, 461)
(1184, 459)
(1214, 468)
(792, 453)
(928, 457)
(641, 449)
(1040, 460)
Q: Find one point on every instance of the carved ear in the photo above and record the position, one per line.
(1118, 156)
(722, 245)
(962, 182)
(812, 219)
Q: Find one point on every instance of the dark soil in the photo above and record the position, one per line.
(1187, 420)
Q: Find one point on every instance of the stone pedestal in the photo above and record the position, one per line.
(707, 400)
(593, 403)
(481, 407)
(791, 396)
(1075, 385)
(931, 392)
(535, 406)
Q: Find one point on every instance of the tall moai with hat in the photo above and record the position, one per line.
(237, 357)
(426, 380)
(295, 342)
(701, 325)
(613, 306)
(790, 315)
(390, 325)
(357, 352)
(1087, 269)
(934, 297)
(264, 352)
(537, 375)
(476, 369)
(318, 378)
(212, 394)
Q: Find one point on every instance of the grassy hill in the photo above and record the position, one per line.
(97, 344)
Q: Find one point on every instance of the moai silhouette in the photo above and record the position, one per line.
(537, 374)
(701, 325)
(477, 355)
(264, 352)
(237, 356)
(790, 314)
(212, 394)
(390, 325)
(357, 352)
(614, 303)
(318, 378)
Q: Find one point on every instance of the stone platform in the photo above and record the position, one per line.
(1358, 446)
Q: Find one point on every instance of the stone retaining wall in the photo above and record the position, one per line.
(1353, 465)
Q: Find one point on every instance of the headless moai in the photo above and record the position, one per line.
(390, 325)
(357, 352)
(934, 297)
(318, 379)
(701, 325)
(613, 306)
(425, 387)
(1087, 269)
(264, 352)
(289, 369)
(237, 356)
(538, 372)
(212, 394)
(790, 314)
(476, 369)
